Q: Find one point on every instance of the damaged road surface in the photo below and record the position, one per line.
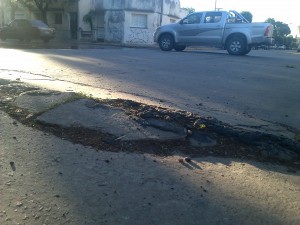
(67, 158)
(126, 125)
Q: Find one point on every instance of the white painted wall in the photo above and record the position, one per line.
(144, 36)
(117, 14)
(171, 10)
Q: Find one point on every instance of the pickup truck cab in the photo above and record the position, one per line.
(221, 29)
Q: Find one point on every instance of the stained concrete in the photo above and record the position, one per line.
(88, 114)
(41, 100)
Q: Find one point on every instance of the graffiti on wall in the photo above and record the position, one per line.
(139, 36)
(115, 27)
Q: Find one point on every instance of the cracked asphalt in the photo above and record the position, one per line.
(126, 125)
(67, 157)
(60, 174)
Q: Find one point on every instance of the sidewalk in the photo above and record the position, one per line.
(82, 44)
(50, 179)
(69, 44)
(66, 158)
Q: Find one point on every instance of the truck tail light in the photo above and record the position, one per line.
(268, 31)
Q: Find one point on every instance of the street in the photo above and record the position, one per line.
(66, 158)
(260, 90)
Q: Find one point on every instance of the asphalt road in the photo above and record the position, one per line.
(260, 90)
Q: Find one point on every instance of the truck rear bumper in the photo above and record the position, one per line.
(263, 40)
(270, 41)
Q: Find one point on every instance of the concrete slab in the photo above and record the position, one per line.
(89, 114)
(47, 180)
(199, 139)
(41, 100)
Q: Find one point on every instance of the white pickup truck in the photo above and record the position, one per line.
(221, 29)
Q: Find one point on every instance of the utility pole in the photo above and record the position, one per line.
(216, 4)
(1, 13)
(161, 12)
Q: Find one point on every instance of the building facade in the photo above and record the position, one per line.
(120, 21)
(129, 21)
(61, 15)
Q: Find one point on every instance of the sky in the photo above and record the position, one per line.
(287, 11)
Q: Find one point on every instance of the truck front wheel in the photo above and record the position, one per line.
(166, 42)
(236, 46)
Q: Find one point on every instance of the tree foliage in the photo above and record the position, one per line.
(248, 15)
(42, 5)
(190, 10)
(289, 41)
(88, 18)
(14, 5)
(281, 30)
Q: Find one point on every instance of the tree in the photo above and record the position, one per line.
(281, 30)
(289, 41)
(88, 18)
(248, 15)
(190, 10)
(14, 5)
(42, 5)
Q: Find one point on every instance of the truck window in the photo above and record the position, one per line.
(233, 17)
(213, 17)
(192, 19)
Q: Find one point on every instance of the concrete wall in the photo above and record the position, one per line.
(133, 35)
(62, 30)
(114, 25)
(113, 18)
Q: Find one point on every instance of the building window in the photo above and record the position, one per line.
(139, 20)
(58, 18)
(172, 21)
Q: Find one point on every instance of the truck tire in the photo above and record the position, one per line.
(236, 45)
(179, 48)
(166, 42)
(247, 51)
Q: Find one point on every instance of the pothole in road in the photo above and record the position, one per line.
(157, 130)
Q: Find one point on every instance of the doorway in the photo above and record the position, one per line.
(73, 24)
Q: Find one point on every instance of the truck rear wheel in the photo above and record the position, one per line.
(236, 46)
(166, 42)
(247, 51)
(179, 48)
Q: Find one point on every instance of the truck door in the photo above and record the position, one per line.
(189, 28)
(212, 28)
